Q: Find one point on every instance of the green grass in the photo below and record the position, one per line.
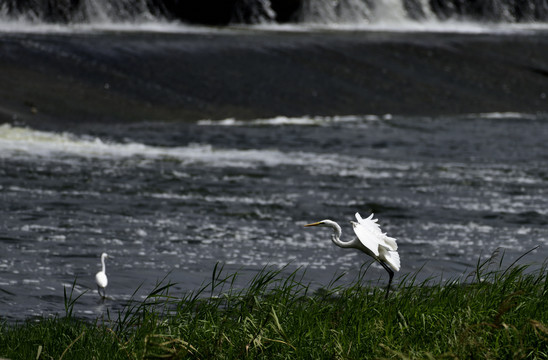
(499, 313)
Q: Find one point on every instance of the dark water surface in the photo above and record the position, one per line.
(176, 151)
(104, 77)
(176, 198)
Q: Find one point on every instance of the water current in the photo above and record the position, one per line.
(174, 199)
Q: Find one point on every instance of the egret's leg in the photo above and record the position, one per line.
(390, 274)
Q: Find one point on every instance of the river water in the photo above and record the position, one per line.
(180, 148)
(174, 199)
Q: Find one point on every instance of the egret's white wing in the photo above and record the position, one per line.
(101, 279)
(392, 258)
(374, 229)
(368, 239)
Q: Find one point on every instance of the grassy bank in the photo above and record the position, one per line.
(491, 313)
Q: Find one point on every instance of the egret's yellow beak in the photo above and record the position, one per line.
(314, 224)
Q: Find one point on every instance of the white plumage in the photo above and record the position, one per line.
(101, 277)
(371, 240)
(370, 235)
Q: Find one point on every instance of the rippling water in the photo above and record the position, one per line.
(174, 199)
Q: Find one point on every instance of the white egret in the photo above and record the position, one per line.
(371, 240)
(101, 277)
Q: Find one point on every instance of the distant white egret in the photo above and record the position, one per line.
(101, 277)
(371, 240)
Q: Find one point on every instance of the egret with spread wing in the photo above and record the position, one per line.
(371, 240)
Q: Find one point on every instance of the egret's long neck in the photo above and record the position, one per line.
(336, 237)
(103, 263)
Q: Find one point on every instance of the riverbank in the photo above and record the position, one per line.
(132, 76)
(488, 314)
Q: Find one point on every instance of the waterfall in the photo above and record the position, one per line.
(225, 12)
(253, 12)
(105, 11)
(334, 11)
(389, 11)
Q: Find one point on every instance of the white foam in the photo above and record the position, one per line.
(395, 24)
(30, 26)
(22, 142)
(507, 115)
(300, 121)
(385, 19)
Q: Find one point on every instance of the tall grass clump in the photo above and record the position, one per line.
(491, 313)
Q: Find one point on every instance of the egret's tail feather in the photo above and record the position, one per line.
(391, 243)
(392, 258)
